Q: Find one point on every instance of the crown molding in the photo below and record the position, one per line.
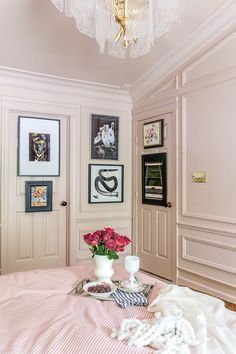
(11, 77)
(220, 21)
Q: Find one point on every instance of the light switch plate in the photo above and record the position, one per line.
(199, 177)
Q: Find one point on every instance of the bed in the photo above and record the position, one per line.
(38, 316)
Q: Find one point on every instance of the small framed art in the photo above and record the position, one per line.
(38, 196)
(104, 137)
(106, 183)
(38, 146)
(154, 179)
(153, 134)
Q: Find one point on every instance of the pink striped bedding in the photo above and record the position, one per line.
(37, 315)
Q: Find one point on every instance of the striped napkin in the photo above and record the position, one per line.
(126, 299)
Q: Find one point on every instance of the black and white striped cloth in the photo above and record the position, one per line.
(126, 299)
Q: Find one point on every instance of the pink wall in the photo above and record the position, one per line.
(205, 89)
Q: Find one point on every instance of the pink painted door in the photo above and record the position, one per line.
(155, 224)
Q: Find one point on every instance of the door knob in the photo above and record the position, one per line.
(169, 205)
(63, 203)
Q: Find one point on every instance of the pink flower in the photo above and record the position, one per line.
(106, 242)
(109, 231)
(119, 240)
(111, 245)
(120, 249)
(126, 240)
(91, 239)
(97, 234)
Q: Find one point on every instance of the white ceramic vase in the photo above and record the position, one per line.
(103, 270)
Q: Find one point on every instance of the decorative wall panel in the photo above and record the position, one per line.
(161, 227)
(25, 237)
(147, 229)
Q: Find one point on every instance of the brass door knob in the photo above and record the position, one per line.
(169, 205)
(63, 203)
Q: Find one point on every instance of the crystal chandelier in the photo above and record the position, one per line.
(124, 27)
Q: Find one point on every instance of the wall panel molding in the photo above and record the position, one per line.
(217, 26)
(206, 229)
(184, 133)
(190, 240)
(93, 211)
(199, 64)
(206, 285)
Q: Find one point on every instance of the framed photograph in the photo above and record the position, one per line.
(38, 147)
(154, 179)
(38, 196)
(106, 183)
(153, 134)
(104, 137)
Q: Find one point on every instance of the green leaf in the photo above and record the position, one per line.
(112, 255)
(100, 250)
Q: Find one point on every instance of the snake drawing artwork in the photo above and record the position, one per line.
(106, 186)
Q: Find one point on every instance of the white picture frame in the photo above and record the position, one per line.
(38, 146)
(106, 183)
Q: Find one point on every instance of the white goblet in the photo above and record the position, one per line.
(132, 264)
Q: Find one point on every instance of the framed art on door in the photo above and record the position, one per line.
(106, 183)
(153, 134)
(154, 179)
(38, 196)
(38, 146)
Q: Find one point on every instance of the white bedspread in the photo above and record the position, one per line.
(185, 321)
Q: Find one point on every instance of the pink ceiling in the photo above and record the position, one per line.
(34, 36)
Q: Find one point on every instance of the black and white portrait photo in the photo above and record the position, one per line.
(39, 147)
(105, 183)
(104, 137)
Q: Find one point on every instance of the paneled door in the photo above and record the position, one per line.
(155, 223)
(34, 239)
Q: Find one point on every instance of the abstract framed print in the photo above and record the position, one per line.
(38, 146)
(153, 134)
(38, 196)
(104, 137)
(154, 179)
(106, 183)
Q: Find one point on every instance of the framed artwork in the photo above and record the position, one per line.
(106, 183)
(38, 147)
(153, 134)
(38, 196)
(104, 137)
(154, 179)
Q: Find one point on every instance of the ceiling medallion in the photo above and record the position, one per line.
(125, 28)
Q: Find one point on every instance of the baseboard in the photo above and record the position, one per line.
(207, 286)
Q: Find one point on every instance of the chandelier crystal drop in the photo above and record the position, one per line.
(124, 27)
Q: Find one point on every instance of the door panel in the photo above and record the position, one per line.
(38, 239)
(156, 224)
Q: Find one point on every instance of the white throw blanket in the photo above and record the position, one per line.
(184, 322)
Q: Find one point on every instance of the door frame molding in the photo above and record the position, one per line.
(153, 111)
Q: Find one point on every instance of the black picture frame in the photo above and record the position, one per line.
(106, 183)
(153, 134)
(104, 137)
(154, 179)
(37, 135)
(41, 202)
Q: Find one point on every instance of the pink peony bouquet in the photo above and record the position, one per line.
(106, 242)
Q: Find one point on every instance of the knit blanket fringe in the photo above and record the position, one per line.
(166, 334)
